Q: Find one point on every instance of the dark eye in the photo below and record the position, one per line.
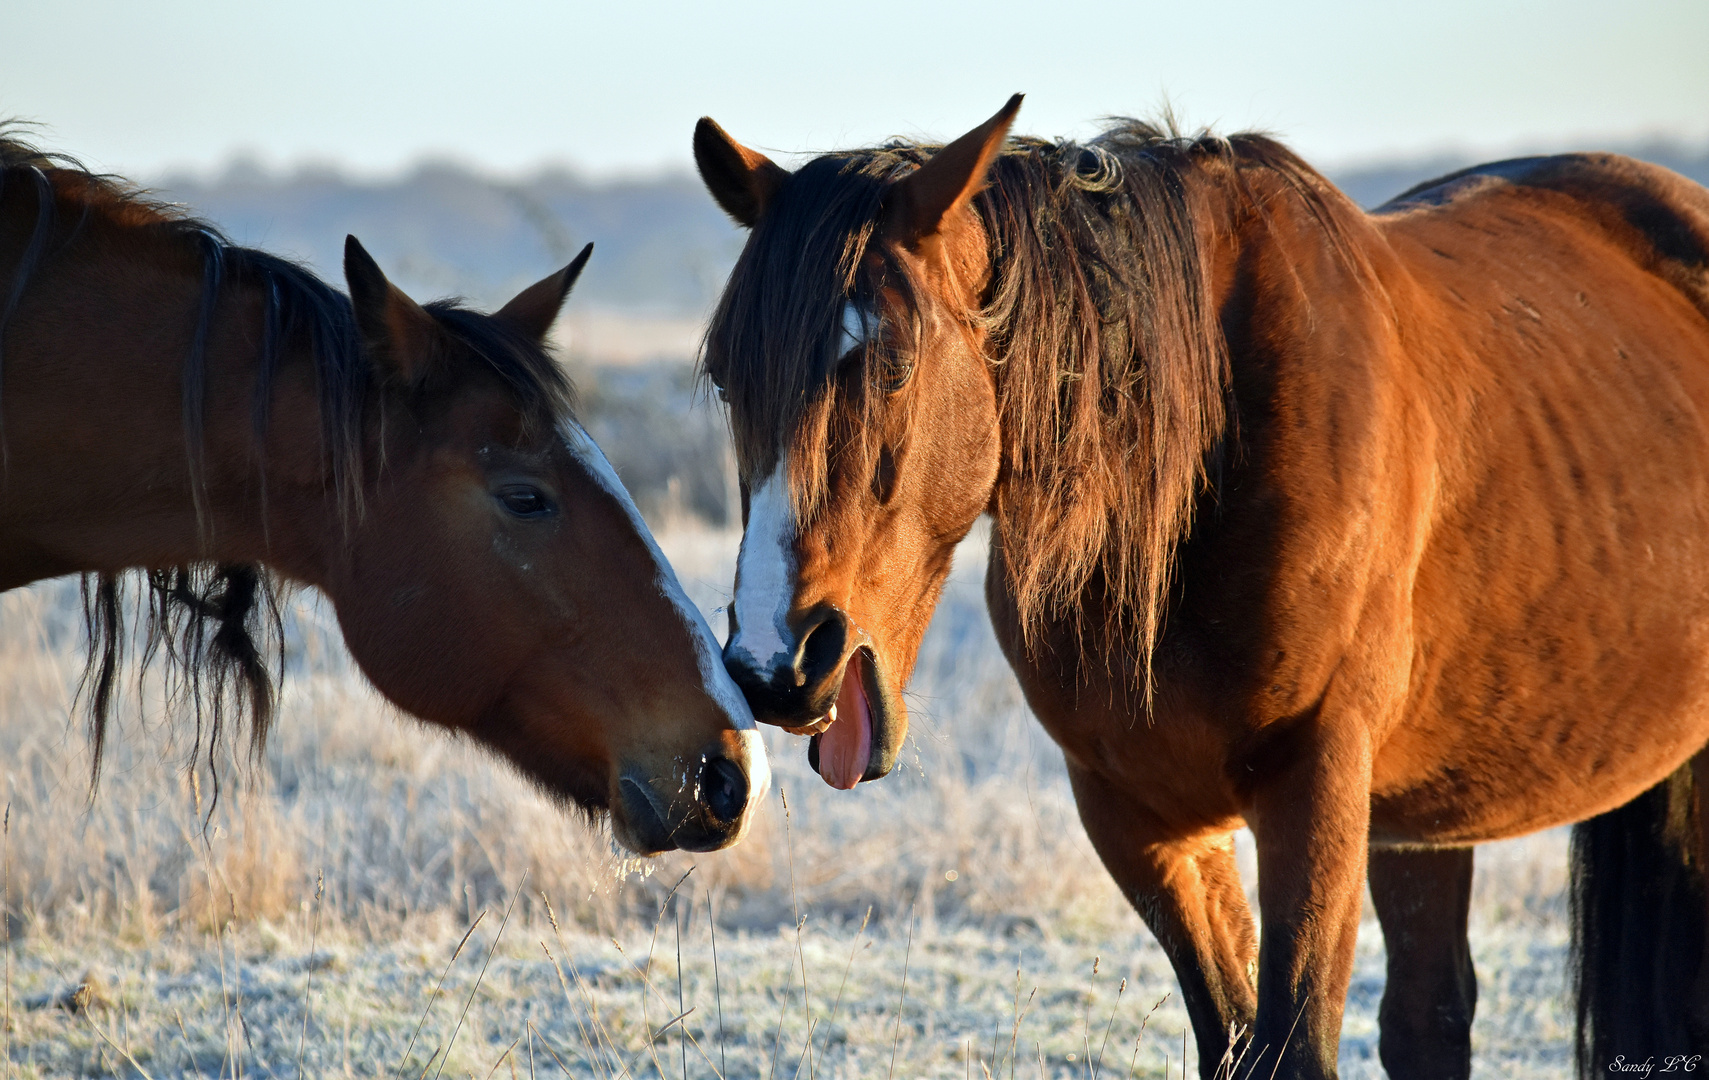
(524, 501)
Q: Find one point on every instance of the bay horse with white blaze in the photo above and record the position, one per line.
(1383, 534)
(224, 423)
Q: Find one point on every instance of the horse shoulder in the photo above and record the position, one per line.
(1308, 556)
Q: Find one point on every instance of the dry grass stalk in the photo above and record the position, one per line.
(309, 974)
(1096, 1069)
(682, 1041)
(601, 1032)
(837, 1003)
(647, 972)
(800, 923)
(503, 1057)
(717, 982)
(433, 998)
(1133, 1067)
(1020, 1014)
(498, 937)
(534, 1033)
(902, 1001)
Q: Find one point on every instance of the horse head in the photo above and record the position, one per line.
(498, 581)
(849, 347)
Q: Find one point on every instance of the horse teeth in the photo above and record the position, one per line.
(814, 727)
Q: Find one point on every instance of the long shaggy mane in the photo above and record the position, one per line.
(217, 628)
(1111, 368)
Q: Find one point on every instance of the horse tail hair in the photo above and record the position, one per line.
(1638, 923)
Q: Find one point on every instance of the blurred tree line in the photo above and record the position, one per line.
(662, 252)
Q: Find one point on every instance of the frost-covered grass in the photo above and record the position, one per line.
(306, 928)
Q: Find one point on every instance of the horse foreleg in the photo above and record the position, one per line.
(1310, 813)
(1188, 892)
(1422, 897)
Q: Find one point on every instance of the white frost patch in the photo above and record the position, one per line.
(765, 573)
(858, 324)
(712, 673)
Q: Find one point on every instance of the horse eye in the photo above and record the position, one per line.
(525, 502)
(894, 374)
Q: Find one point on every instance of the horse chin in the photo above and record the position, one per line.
(860, 736)
(638, 821)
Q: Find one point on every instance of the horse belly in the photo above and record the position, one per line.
(1541, 779)
(1553, 707)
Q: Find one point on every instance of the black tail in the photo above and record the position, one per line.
(1638, 915)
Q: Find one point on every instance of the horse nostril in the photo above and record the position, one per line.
(724, 789)
(822, 650)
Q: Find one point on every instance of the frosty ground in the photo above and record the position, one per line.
(950, 920)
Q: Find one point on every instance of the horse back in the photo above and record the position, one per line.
(1658, 217)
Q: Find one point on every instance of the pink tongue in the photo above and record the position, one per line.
(846, 746)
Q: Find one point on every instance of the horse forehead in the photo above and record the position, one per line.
(585, 456)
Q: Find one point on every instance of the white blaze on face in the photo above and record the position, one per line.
(765, 575)
(857, 327)
(707, 655)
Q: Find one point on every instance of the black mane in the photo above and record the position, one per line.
(219, 626)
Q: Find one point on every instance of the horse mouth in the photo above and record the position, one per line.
(856, 739)
(703, 814)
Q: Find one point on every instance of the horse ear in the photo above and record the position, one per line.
(742, 181)
(920, 202)
(396, 333)
(535, 309)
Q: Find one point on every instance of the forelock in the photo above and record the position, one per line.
(774, 339)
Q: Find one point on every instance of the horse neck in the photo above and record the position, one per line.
(1103, 467)
(1265, 253)
(98, 469)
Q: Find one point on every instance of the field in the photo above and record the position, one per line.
(949, 921)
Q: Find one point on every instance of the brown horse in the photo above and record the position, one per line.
(1383, 534)
(225, 423)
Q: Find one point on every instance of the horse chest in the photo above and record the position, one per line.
(1173, 761)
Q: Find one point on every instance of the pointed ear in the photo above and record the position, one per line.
(920, 202)
(743, 181)
(535, 309)
(397, 334)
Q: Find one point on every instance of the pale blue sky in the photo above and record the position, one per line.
(616, 87)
